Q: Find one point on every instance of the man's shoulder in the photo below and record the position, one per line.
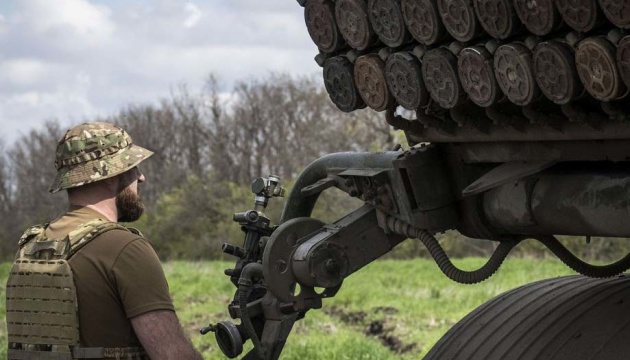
(89, 231)
(110, 246)
(120, 235)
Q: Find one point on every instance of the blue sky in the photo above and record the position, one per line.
(74, 60)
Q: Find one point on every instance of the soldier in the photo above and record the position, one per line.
(85, 286)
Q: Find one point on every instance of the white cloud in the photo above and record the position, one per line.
(90, 22)
(28, 98)
(78, 59)
(22, 111)
(3, 24)
(193, 15)
(61, 101)
(22, 72)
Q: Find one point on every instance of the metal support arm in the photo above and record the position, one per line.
(301, 205)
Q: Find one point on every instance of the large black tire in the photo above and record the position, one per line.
(568, 318)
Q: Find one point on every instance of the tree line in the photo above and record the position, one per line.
(208, 148)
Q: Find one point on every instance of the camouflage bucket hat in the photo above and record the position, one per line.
(94, 151)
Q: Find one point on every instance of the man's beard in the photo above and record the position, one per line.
(129, 205)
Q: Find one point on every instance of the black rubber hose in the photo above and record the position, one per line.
(442, 259)
(245, 281)
(462, 276)
(578, 265)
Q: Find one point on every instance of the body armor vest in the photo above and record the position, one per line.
(41, 298)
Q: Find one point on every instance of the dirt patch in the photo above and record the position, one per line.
(387, 310)
(347, 317)
(381, 329)
(384, 333)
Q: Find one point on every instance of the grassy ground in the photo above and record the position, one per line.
(4, 270)
(390, 310)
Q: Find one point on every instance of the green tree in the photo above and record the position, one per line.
(31, 171)
(187, 222)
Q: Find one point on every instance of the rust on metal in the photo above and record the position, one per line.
(554, 66)
(583, 76)
(320, 22)
(617, 12)
(339, 82)
(595, 61)
(540, 17)
(369, 75)
(439, 69)
(497, 17)
(423, 21)
(354, 25)
(458, 16)
(404, 78)
(580, 15)
(623, 59)
(476, 73)
(388, 23)
(513, 68)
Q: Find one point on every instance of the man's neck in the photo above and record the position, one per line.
(110, 214)
(99, 196)
(105, 207)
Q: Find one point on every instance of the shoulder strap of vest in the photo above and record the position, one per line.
(88, 231)
(76, 238)
(31, 233)
(134, 231)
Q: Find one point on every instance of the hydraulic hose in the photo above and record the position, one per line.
(578, 265)
(250, 271)
(442, 259)
(462, 276)
(499, 255)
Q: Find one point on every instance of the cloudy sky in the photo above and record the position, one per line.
(76, 59)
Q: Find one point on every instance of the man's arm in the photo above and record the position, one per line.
(162, 336)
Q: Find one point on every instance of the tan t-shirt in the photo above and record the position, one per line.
(117, 275)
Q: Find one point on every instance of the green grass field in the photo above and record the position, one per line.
(390, 310)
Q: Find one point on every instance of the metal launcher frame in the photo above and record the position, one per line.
(521, 130)
(501, 190)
